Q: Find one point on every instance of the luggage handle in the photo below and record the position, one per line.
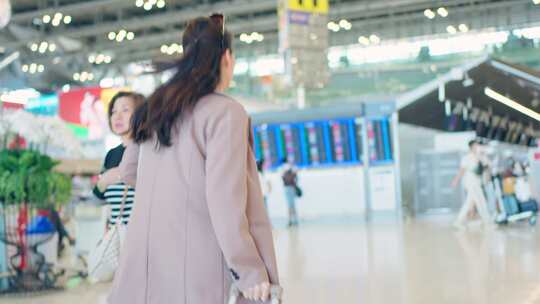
(275, 294)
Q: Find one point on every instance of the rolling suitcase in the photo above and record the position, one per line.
(275, 294)
(530, 205)
(511, 206)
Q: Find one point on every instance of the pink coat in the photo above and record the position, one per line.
(199, 220)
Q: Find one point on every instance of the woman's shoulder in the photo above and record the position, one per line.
(218, 104)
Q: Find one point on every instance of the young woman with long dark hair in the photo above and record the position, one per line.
(199, 223)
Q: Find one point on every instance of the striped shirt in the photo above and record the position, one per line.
(114, 196)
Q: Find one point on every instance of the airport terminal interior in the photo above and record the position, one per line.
(393, 145)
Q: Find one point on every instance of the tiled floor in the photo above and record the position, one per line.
(415, 262)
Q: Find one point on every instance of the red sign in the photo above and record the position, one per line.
(85, 108)
(12, 105)
(71, 103)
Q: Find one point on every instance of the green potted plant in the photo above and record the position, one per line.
(27, 176)
(30, 189)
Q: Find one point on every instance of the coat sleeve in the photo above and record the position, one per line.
(226, 139)
(129, 164)
(99, 194)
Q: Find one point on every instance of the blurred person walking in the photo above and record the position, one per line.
(471, 171)
(289, 176)
(266, 185)
(199, 225)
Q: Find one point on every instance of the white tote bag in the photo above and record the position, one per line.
(104, 259)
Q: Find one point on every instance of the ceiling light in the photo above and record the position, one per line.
(451, 29)
(244, 37)
(67, 19)
(147, 6)
(24, 68)
(58, 16)
(343, 23)
(91, 76)
(443, 12)
(429, 14)
(108, 59)
(52, 47)
(511, 103)
(130, 36)
(121, 35)
(33, 68)
(92, 58)
(164, 48)
(46, 19)
(255, 36)
(100, 58)
(537, 2)
(364, 40)
(44, 44)
(66, 88)
(171, 50)
(42, 49)
(76, 76)
(55, 22)
(334, 27)
(464, 28)
(34, 47)
(375, 39)
(41, 68)
(139, 3)
(161, 4)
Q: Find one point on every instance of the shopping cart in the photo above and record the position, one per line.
(275, 294)
(510, 209)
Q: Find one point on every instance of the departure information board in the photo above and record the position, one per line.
(323, 143)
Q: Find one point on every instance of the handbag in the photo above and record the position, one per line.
(104, 259)
(298, 191)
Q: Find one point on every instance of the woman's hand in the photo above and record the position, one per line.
(260, 292)
(110, 177)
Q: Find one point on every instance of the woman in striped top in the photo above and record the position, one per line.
(121, 110)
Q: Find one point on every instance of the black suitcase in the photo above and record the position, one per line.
(530, 205)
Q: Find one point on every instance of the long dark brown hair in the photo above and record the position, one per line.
(197, 75)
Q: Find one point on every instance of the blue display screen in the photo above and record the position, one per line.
(334, 142)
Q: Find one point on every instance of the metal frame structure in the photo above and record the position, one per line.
(94, 19)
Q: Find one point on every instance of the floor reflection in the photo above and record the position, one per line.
(416, 262)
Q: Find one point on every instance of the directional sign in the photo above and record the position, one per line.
(310, 6)
(303, 36)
